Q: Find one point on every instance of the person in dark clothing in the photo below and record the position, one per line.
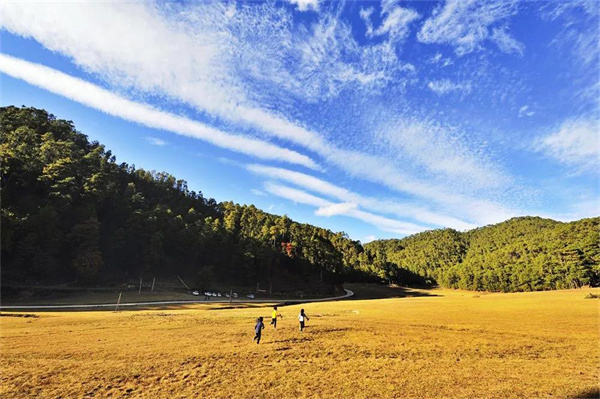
(301, 318)
(258, 329)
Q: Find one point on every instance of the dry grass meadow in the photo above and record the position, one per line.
(453, 345)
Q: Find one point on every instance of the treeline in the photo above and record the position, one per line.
(70, 212)
(521, 254)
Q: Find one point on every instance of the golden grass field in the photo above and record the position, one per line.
(454, 345)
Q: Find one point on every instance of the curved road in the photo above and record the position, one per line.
(180, 302)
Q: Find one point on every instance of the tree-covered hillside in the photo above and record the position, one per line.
(521, 254)
(71, 212)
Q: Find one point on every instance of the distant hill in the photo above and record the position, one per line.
(521, 254)
(70, 212)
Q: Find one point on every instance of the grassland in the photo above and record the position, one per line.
(454, 345)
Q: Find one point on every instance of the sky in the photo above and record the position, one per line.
(379, 119)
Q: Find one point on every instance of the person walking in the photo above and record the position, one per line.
(301, 318)
(274, 317)
(258, 330)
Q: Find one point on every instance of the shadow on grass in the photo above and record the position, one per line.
(297, 340)
(381, 291)
(591, 393)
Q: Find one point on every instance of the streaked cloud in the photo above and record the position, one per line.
(96, 97)
(328, 208)
(398, 208)
(506, 42)
(336, 209)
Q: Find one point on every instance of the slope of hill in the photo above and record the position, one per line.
(71, 212)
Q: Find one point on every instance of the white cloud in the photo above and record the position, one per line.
(398, 208)
(336, 209)
(155, 141)
(506, 42)
(465, 24)
(524, 111)
(297, 196)
(385, 172)
(445, 86)
(554, 10)
(258, 193)
(395, 21)
(444, 150)
(112, 104)
(305, 5)
(436, 58)
(575, 143)
(365, 15)
(383, 223)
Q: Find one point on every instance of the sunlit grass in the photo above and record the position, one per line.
(457, 344)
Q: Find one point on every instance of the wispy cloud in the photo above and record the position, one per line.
(575, 143)
(328, 208)
(398, 208)
(578, 43)
(112, 104)
(444, 150)
(524, 111)
(506, 42)
(385, 172)
(156, 141)
(466, 24)
(445, 86)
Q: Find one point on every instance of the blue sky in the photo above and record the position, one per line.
(380, 119)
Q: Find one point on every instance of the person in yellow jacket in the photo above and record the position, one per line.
(274, 317)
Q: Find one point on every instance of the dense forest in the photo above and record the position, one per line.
(70, 212)
(521, 254)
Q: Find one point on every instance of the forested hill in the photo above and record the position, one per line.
(70, 212)
(521, 254)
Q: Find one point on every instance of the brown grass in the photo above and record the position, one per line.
(454, 345)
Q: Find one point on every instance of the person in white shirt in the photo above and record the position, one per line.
(301, 318)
